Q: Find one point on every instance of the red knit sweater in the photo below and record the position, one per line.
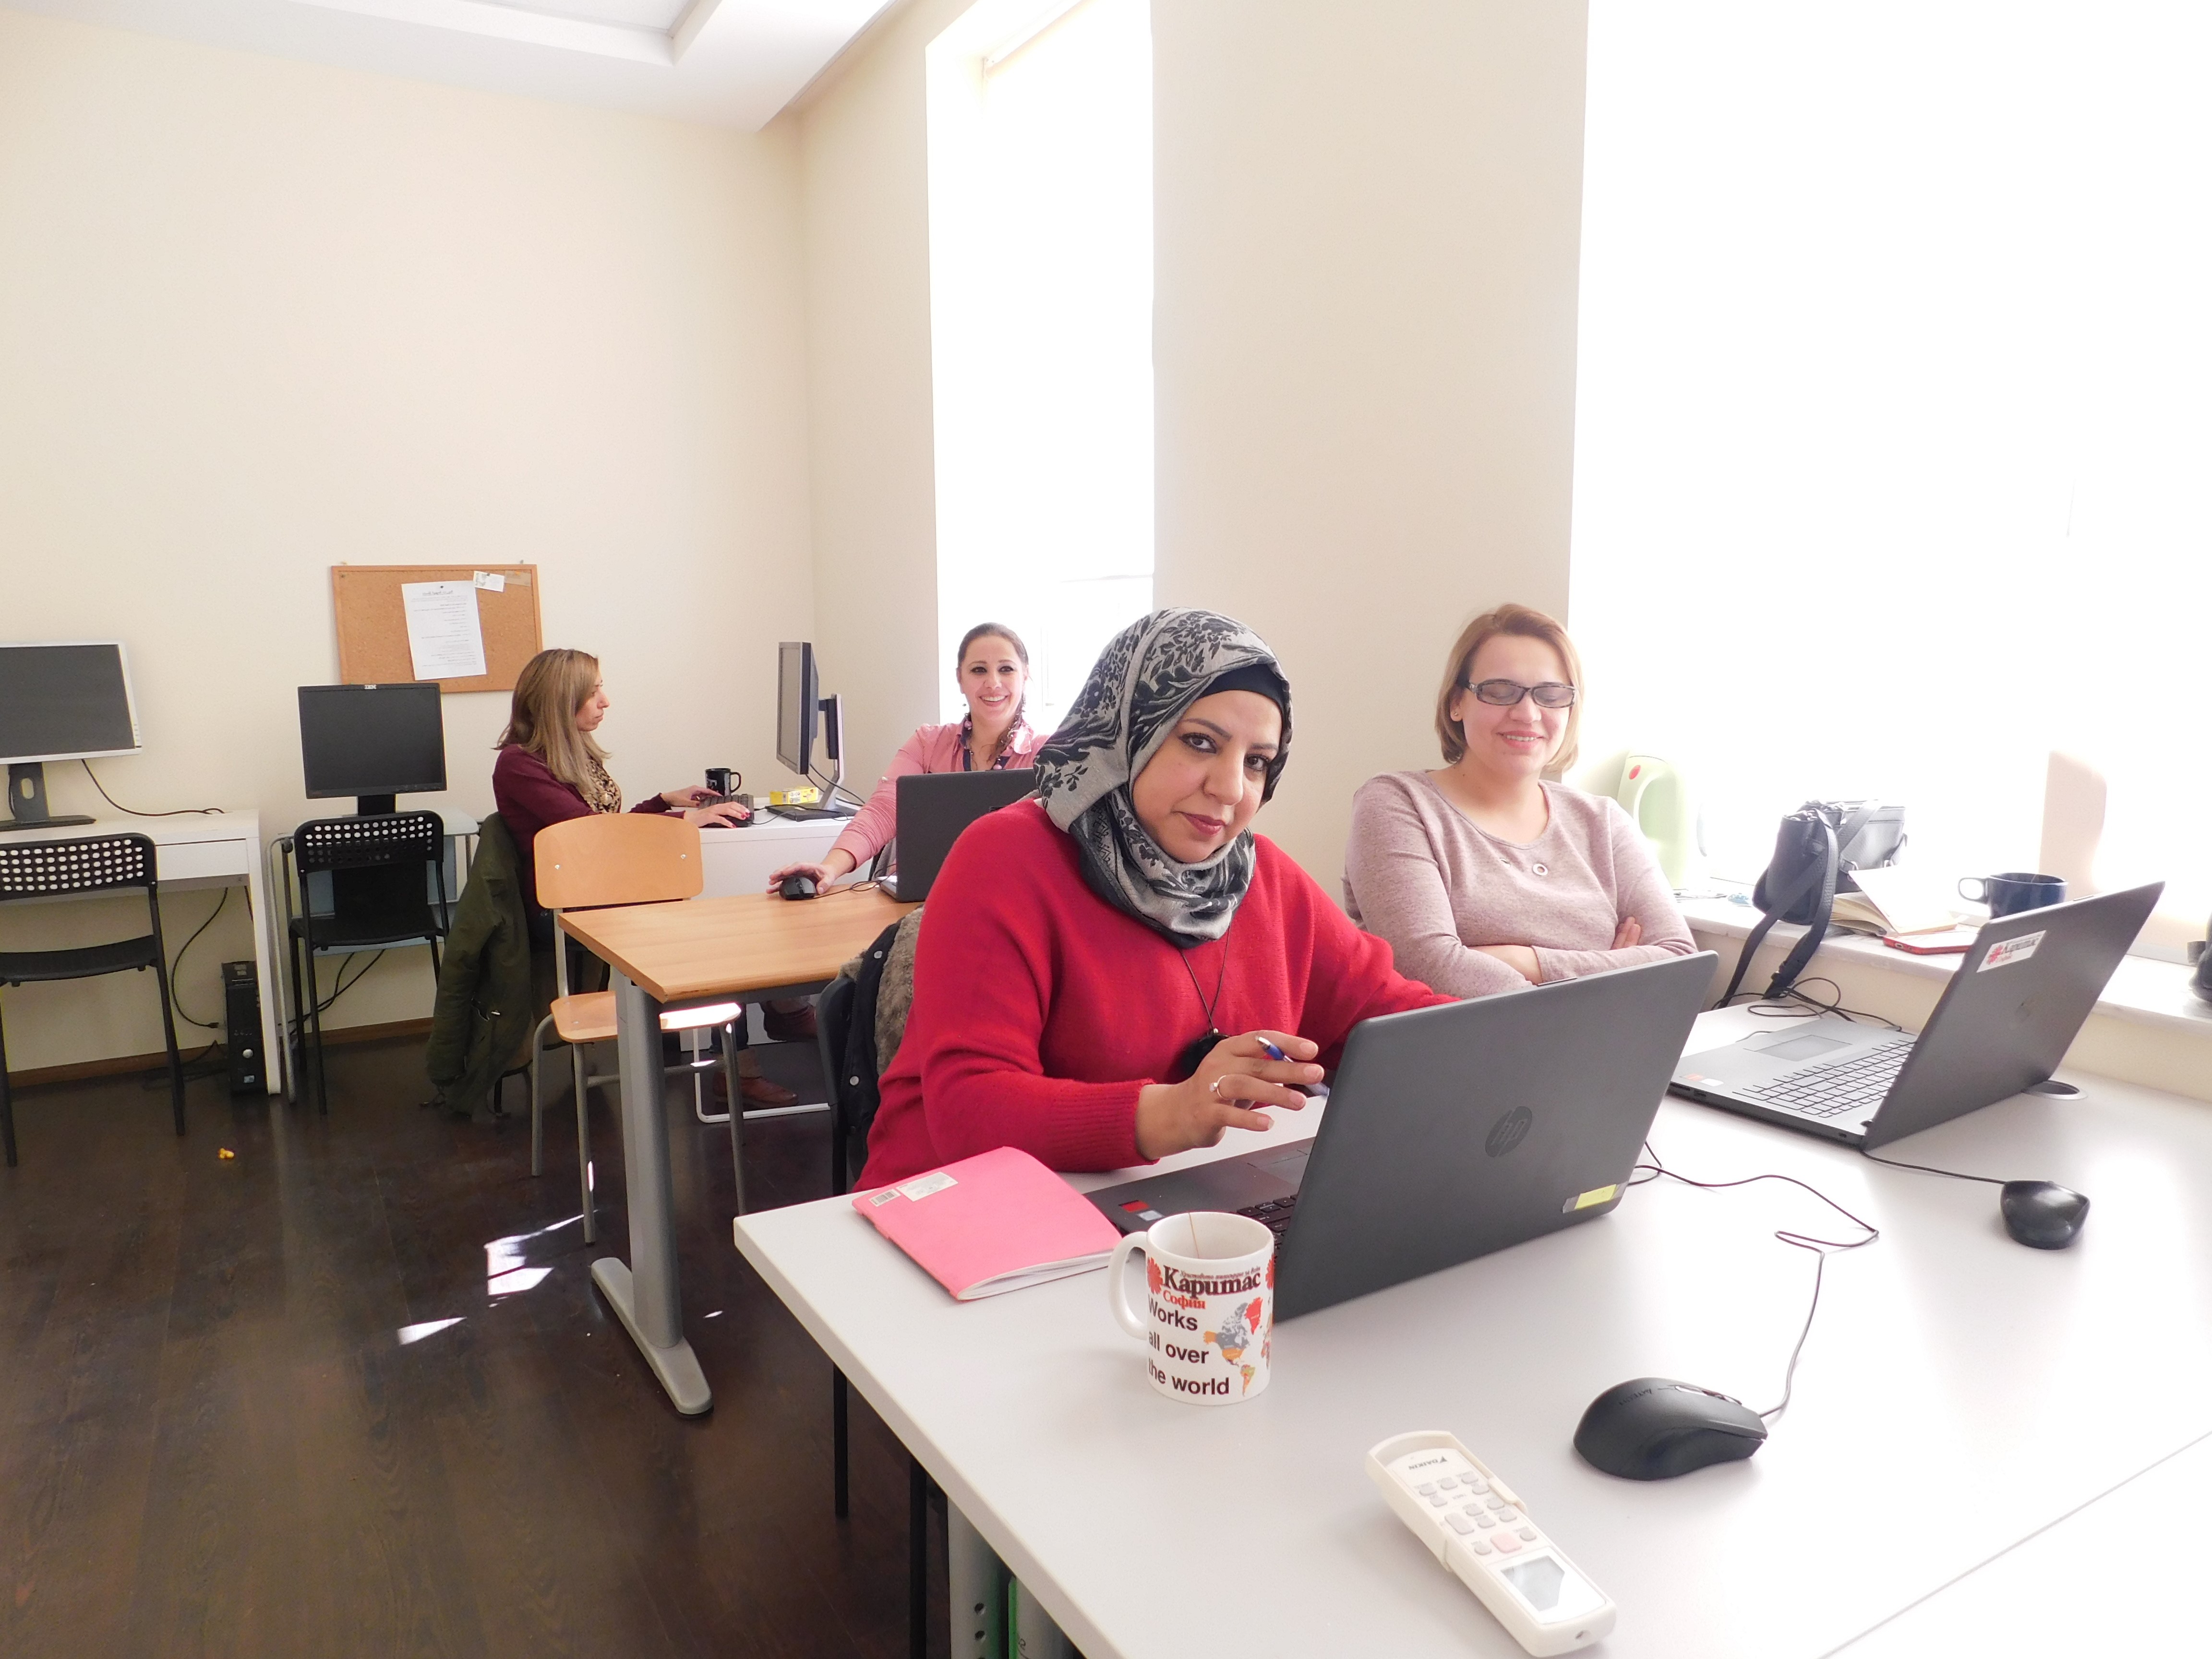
(1040, 1010)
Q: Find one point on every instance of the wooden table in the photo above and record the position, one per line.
(678, 955)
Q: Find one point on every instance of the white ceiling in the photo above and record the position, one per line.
(730, 63)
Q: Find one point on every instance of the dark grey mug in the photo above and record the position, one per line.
(2008, 894)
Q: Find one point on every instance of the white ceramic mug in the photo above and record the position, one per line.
(1208, 1321)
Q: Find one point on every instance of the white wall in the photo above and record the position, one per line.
(258, 318)
(864, 190)
(1368, 225)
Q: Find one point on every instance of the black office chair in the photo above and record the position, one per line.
(97, 864)
(382, 868)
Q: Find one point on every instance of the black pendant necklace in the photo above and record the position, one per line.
(1194, 1056)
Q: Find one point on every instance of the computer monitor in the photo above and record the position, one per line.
(374, 742)
(798, 696)
(69, 700)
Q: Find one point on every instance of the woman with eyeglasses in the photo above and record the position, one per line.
(1486, 874)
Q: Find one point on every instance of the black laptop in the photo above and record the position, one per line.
(1453, 1132)
(933, 808)
(2005, 1021)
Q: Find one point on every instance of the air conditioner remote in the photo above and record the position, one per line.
(1474, 1525)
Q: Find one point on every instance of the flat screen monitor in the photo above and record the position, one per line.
(65, 702)
(373, 741)
(798, 697)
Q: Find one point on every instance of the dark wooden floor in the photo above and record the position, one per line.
(217, 1436)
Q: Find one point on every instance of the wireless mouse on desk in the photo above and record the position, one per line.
(1654, 1428)
(798, 887)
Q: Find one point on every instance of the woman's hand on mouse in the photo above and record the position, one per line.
(835, 865)
(1520, 958)
(717, 817)
(1235, 1077)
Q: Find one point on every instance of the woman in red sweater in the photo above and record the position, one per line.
(1083, 953)
(551, 768)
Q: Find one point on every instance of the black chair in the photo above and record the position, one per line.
(97, 864)
(833, 1018)
(382, 868)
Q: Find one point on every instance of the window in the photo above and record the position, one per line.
(1040, 315)
(1894, 419)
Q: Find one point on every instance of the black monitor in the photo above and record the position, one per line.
(374, 742)
(70, 700)
(798, 696)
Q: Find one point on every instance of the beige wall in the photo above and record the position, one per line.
(864, 169)
(259, 316)
(1368, 224)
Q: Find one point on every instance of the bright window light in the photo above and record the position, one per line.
(1894, 407)
(1040, 312)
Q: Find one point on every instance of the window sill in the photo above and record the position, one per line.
(2141, 992)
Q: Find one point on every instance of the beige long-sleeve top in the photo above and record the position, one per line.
(1421, 875)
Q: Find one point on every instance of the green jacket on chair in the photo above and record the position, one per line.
(486, 1006)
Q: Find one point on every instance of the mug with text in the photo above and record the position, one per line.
(2015, 890)
(1209, 1315)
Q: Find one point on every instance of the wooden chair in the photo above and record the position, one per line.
(591, 863)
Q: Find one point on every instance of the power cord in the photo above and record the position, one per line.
(1821, 1249)
(175, 812)
(1794, 1003)
(177, 962)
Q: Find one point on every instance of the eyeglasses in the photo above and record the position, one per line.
(1505, 694)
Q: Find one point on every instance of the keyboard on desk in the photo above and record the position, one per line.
(1274, 1215)
(1839, 1086)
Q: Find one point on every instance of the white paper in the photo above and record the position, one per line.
(444, 636)
(491, 581)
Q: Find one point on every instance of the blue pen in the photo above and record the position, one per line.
(1310, 1090)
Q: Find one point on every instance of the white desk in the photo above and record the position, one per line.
(1959, 1393)
(741, 860)
(218, 849)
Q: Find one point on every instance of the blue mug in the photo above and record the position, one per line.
(2015, 890)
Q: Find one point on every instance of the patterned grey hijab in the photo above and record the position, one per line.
(1141, 685)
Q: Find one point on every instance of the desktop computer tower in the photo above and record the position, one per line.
(241, 1022)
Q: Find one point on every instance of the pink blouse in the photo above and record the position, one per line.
(931, 749)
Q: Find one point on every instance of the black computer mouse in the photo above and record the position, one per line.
(2043, 1214)
(798, 887)
(1654, 1428)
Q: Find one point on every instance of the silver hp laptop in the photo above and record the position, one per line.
(2004, 1022)
(1453, 1132)
(933, 808)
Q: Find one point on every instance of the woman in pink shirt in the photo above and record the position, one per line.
(1484, 876)
(992, 668)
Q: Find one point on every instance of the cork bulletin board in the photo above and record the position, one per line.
(371, 622)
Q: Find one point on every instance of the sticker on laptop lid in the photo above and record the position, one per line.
(1584, 1201)
(876, 1200)
(2010, 951)
(923, 1186)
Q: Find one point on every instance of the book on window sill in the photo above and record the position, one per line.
(1897, 903)
(997, 1222)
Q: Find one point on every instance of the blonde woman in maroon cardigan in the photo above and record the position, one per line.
(1083, 954)
(550, 769)
(1484, 875)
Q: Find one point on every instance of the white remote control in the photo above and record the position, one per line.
(1481, 1532)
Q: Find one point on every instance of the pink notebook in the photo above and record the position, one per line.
(999, 1221)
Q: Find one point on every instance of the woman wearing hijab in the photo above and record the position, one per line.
(1083, 953)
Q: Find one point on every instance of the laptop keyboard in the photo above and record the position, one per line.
(1274, 1215)
(1837, 1086)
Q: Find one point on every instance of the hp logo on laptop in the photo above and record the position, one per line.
(1508, 1132)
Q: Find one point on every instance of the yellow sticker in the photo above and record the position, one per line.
(1596, 1195)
